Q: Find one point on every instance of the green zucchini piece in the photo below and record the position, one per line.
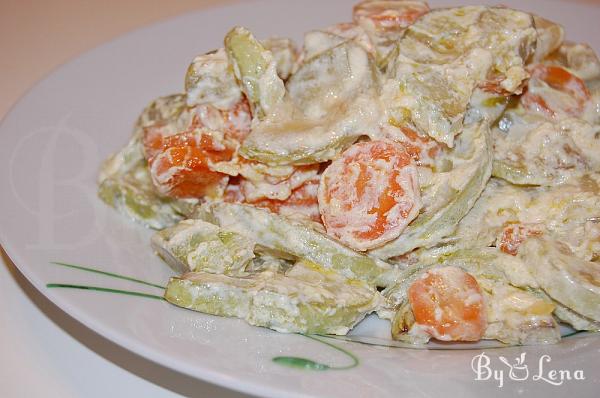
(284, 53)
(195, 245)
(533, 152)
(317, 42)
(256, 69)
(438, 72)
(577, 321)
(210, 80)
(331, 78)
(508, 33)
(571, 281)
(567, 315)
(309, 300)
(133, 195)
(435, 98)
(567, 213)
(302, 142)
(292, 238)
(517, 174)
(333, 100)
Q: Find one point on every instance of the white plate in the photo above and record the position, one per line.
(50, 147)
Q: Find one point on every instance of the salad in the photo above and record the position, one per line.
(437, 167)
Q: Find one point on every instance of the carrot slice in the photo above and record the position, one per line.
(180, 165)
(302, 202)
(515, 234)
(388, 15)
(422, 149)
(370, 194)
(493, 85)
(233, 123)
(545, 82)
(447, 304)
(237, 121)
(233, 193)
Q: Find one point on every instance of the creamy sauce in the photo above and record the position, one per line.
(210, 81)
(463, 90)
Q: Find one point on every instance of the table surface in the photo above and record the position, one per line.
(68, 359)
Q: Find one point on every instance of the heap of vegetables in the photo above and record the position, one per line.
(437, 167)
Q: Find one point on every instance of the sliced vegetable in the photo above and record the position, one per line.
(433, 99)
(210, 81)
(284, 53)
(438, 72)
(182, 168)
(514, 234)
(308, 300)
(304, 142)
(550, 37)
(514, 315)
(468, 178)
(448, 304)
(386, 21)
(546, 153)
(132, 194)
(569, 280)
(295, 239)
(333, 102)
(509, 33)
(566, 213)
(518, 174)
(256, 69)
(195, 245)
(331, 78)
(370, 194)
(577, 321)
(554, 91)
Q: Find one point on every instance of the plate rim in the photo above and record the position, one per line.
(204, 372)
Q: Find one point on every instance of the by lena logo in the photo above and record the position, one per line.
(518, 370)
